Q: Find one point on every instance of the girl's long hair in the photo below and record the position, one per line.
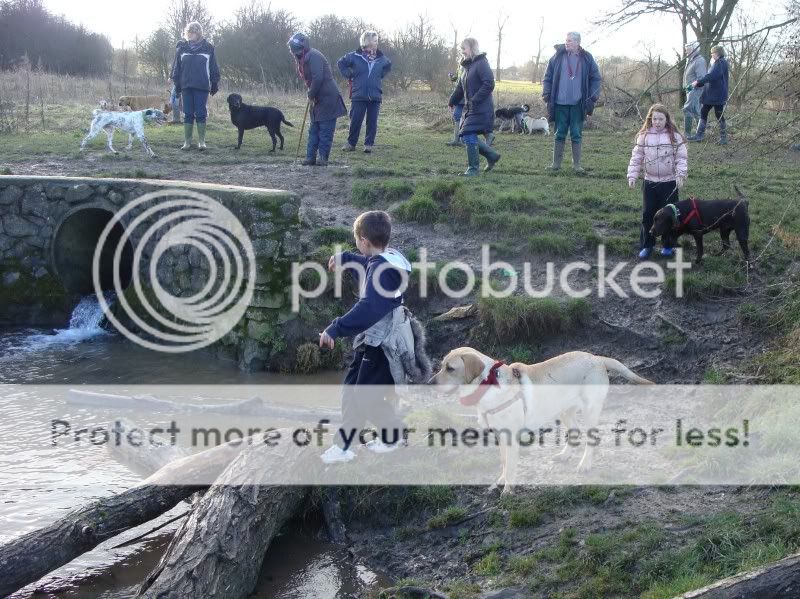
(648, 122)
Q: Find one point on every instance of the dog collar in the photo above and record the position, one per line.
(483, 386)
(675, 213)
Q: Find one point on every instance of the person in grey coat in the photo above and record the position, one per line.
(695, 69)
(327, 104)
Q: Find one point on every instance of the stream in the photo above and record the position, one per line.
(38, 486)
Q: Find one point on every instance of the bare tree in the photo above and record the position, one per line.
(182, 12)
(708, 19)
(751, 58)
(537, 75)
(501, 24)
(421, 55)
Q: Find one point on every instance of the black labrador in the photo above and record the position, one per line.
(698, 217)
(246, 117)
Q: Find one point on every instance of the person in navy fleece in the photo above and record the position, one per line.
(365, 69)
(384, 272)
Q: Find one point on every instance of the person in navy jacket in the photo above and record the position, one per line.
(365, 69)
(383, 274)
(195, 74)
(715, 95)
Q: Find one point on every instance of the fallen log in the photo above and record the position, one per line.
(248, 407)
(33, 555)
(219, 550)
(147, 458)
(778, 579)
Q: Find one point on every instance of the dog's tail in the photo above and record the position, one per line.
(419, 365)
(619, 368)
(285, 122)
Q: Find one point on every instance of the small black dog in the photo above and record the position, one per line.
(245, 117)
(512, 114)
(698, 217)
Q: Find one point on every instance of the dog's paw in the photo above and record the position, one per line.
(495, 486)
(507, 490)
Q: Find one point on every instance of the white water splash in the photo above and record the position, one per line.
(84, 324)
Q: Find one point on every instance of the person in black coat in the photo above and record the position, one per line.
(327, 104)
(475, 87)
(715, 95)
(195, 74)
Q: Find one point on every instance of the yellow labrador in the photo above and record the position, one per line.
(507, 396)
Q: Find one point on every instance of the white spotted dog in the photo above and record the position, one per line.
(130, 122)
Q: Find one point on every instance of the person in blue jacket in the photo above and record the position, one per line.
(383, 273)
(195, 74)
(475, 87)
(715, 95)
(365, 69)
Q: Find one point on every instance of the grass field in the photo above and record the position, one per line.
(520, 208)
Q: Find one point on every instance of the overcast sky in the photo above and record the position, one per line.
(123, 22)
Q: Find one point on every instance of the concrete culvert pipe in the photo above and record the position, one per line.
(74, 244)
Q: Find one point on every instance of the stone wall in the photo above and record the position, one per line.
(43, 221)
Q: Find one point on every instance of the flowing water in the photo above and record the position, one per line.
(41, 485)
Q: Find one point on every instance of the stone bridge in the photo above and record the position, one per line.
(50, 226)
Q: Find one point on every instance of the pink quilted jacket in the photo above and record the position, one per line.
(660, 159)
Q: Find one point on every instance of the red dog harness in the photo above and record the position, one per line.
(483, 387)
(694, 212)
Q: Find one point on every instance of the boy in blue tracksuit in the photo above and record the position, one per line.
(371, 321)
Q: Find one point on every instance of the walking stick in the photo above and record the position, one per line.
(302, 128)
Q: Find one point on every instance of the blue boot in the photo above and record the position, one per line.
(644, 253)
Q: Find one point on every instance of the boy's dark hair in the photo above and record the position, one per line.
(375, 226)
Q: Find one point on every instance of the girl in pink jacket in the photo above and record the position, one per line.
(660, 152)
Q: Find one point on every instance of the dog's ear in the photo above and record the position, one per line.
(473, 367)
(515, 372)
(148, 112)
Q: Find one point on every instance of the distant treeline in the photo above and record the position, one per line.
(51, 42)
(251, 46)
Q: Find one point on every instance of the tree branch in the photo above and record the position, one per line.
(753, 33)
